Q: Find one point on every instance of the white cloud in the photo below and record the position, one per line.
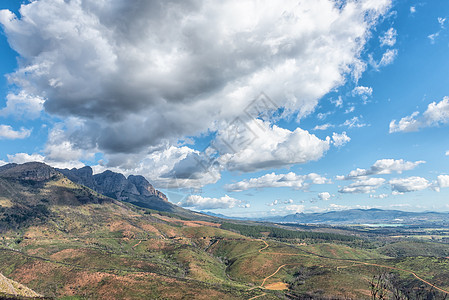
(368, 185)
(324, 196)
(2, 163)
(380, 196)
(350, 109)
(363, 91)
(275, 202)
(58, 148)
(20, 158)
(199, 202)
(406, 124)
(389, 38)
(7, 132)
(412, 9)
(290, 180)
(436, 114)
(383, 166)
(256, 146)
(23, 105)
(388, 57)
(296, 208)
(442, 21)
(322, 116)
(340, 139)
(338, 102)
(336, 207)
(432, 37)
(410, 184)
(447, 153)
(323, 127)
(443, 181)
(354, 123)
(388, 166)
(187, 65)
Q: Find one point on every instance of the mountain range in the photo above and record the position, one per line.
(363, 216)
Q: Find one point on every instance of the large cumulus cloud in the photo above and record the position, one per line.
(172, 68)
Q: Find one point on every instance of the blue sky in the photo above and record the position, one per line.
(353, 100)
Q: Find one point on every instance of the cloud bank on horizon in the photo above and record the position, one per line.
(172, 90)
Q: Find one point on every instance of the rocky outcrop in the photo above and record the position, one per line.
(82, 176)
(113, 184)
(34, 171)
(144, 187)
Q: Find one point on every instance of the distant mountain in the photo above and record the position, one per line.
(209, 213)
(363, 216)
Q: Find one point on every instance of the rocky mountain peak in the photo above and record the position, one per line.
(34, 171)
(114, 184)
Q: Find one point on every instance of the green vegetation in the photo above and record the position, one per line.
(257, 231)
(415, 248)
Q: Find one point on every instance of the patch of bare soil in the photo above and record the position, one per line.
(277, 286)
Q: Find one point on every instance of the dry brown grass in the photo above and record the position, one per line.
(149, 228)
(68, 254)
(277, 286)
(122, 226)
(186, 223)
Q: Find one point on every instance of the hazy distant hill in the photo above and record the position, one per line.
(363, 216)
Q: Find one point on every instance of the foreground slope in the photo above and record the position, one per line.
(10, 288)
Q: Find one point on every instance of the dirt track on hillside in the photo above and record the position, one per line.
(333, 258)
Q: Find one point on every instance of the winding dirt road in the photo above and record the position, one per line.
(347, 260)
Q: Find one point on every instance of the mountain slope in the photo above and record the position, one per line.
(10, 288)
(29, 192)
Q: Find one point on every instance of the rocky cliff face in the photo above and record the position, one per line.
(113, 184)
(82, 176)
(144, 187)
(34, 171)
